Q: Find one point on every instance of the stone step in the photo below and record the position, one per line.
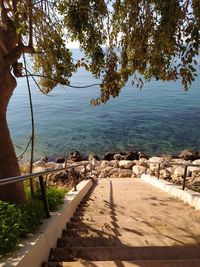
(127, 240)
(109, 231)
(123, 253)
(140, 228)
(146, 263)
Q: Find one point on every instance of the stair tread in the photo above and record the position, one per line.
(150, 240)
(124, 253)
(142, 263)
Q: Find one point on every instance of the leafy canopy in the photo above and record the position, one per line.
(120, 38)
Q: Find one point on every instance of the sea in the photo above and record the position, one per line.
(161, 118)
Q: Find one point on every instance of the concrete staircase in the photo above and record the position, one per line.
(102, 234)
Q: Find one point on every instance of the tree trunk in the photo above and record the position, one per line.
(9, 166)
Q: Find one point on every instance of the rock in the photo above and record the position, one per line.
(104, 164)
(93, 156)
(143, 155)
(75, 156)
(142, 162)
(45, 158)
(115, 172)
(125, 164)
(189, 155)
(132, 155)
(125, 173)
(195, 170)
(95, 163)
(179, 171)
(102, 175)
(39, 163)
(153, 166)
(117, 156)
(114, 163)
(109, 156)
(138, 170)
(60, 176)
(107, 169)
(53, 166)
(165, 174)
(60, 160)
(38, 169)
(167, 157)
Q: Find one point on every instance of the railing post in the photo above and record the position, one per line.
(74, 179)
(184, 177)
(44, 197)
(158, 173)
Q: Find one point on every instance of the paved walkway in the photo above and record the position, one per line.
(149, 215)
(126, 222)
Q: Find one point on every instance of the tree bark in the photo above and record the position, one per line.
(9, 166)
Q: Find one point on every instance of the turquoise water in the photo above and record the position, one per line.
(161, 118)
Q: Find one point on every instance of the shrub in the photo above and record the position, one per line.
(55, 197)
(17, 221)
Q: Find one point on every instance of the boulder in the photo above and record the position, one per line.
(95, 163)
(104, 164)
(179, 171)
(143, 155)
(53, 166)
(102, 175)
(142, 162)
(138, 170)
(60, 160)
(45, 158)
(109, 156)
(93, 156)
(114, 163)
(125, 173)
(189, 155)
(115, 172)
(107, 169)
(60, 176)
(75, 156)
(118, 156)
(38, 169)
(39, 163)
(165, 174)
(132, 155)
(125, 164)
(153, 166)
(195, 170)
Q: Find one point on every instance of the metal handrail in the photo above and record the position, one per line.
(186, 165)
(40, 175)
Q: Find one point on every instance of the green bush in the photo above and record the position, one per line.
(55, 197)
(17, 221)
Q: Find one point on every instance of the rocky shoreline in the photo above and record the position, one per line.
(123, 164)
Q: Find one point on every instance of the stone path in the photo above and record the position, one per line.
(126, 222)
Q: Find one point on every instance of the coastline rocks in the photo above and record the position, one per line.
(153, 166)
(104, 164)
(165, 174)
(60, 160)
(109, 156)
(125, 173)
(189, 155)
(126, 164)
(39, 163)
(75, 156)
(93, 156)
(138, 170)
